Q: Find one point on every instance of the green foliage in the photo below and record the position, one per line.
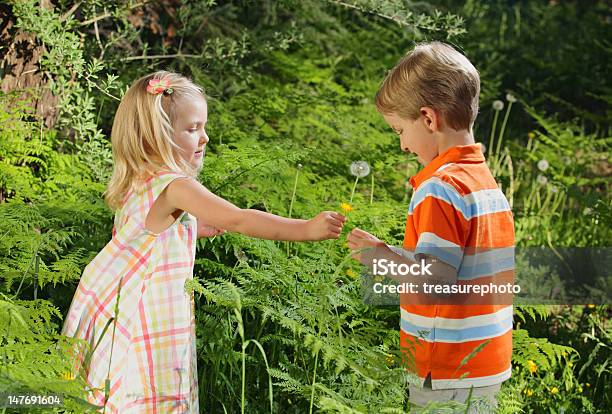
(35, 359)
(290, 87)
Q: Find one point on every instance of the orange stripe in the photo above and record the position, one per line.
(436, 216)
(443, 359)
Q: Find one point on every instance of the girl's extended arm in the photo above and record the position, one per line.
(191, 196)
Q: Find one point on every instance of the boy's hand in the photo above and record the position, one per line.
(358, 240)
(325, 225)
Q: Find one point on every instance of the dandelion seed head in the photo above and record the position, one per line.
(360, 169)
(510, 98)
(587, 211)
(543, 165)
(498, 105)
(299, 166)
(541, 179)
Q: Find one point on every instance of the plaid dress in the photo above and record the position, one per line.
(151, 363)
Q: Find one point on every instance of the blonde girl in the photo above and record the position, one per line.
(145, 360)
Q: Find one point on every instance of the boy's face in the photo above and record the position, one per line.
(415, 136)
(189, 132)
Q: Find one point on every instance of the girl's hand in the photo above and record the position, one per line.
(205, 230)
(326, 225)
(360, 242)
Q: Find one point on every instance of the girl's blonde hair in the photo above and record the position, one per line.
(142, 134)
(436, 75)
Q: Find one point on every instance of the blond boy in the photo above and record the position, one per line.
(458, 220)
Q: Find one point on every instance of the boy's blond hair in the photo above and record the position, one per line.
(436, 75)
(142, 134)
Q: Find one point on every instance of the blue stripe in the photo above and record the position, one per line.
(440, 191)
(457, 335)
(484, 204)
(471, 205)
(446, 254)
(486, 269)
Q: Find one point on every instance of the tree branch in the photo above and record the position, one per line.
(108, 14)
(146, 57)
(70, 12)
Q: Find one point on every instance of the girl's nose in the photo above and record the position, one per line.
(204, 138)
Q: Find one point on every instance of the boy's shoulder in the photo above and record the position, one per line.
(465, 178)
(468, 188)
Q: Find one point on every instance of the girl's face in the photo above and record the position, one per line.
(189, 132)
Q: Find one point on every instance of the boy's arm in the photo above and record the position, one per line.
(191, 196)
(367, 248)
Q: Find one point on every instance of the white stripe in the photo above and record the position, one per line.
(448, 252)
(471, 382)
(428, 237)
(480, 196)
(457, 336)
(452, 323)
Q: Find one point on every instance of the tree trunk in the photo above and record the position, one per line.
(19, 68)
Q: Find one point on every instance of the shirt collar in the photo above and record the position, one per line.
(471, 153)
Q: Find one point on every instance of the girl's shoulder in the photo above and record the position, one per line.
(143, 193)
(151, 182)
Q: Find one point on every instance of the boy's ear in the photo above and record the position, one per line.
(431, 118)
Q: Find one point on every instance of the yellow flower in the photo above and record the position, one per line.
(346, 207)
(579, 389)
(67, 376)
(588, 385)
(531, 135)
(351, 273)
(590, 306)
(379, 278)
(554, 390)
(389, 359)
(529, 392)
(532, 366)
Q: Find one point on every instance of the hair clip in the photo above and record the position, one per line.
(157, 86)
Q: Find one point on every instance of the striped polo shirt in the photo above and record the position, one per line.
(459, 215)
